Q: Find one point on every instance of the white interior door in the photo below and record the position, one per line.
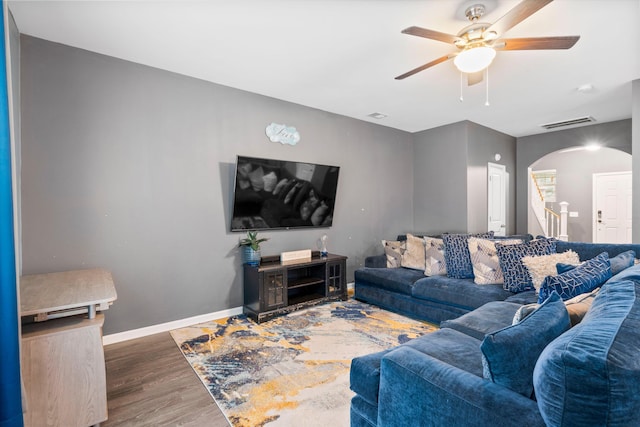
(612, 207)
(497, 198)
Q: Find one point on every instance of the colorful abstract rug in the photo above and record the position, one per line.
(292, 370)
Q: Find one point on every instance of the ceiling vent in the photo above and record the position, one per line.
(572, 122)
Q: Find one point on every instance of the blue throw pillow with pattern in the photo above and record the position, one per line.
(516, 275)
(584, 278)
(456, 254)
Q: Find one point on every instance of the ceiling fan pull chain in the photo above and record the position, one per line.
(461, 85)
(486, 79)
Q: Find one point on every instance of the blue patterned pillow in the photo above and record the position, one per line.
(516, 275)
(456, 254)
(584, 278)
(619, 262)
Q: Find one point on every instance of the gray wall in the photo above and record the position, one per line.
(440, 179)
(131, 168)
(450, 177)
(484, 143)
(574, 177)
(531, 148)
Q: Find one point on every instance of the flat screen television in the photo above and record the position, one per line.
(282, 194)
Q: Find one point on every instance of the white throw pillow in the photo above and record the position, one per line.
(542, 266)
(484, 258)
(414, 256)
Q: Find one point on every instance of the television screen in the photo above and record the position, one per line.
(277, 194)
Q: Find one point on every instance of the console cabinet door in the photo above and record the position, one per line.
(274, 291)
(337, 279)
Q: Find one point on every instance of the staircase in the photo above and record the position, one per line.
(552, 223)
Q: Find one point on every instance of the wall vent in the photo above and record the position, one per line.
(571, 122)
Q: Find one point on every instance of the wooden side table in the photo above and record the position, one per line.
(62, 355)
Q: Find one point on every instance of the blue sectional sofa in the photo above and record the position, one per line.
(439, 298)
(480, 370)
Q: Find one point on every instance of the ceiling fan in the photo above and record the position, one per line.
(478, 42)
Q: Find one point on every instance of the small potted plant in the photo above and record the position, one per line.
(250, 247)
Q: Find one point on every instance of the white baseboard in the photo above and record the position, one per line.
(165, 327)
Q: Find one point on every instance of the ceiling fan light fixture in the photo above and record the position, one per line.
(474, 59)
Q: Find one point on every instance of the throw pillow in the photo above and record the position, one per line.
(578, 306)
(584, 278)
(542, 266)
(393, 250)
(434, 257)
(457, 256)
(622, 261)
(509, 355)
(619, 262)
(516, 276)
(484, 260)
(563, 268)
(524, 311)
(414, 256)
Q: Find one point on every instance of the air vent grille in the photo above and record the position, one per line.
(571, 122)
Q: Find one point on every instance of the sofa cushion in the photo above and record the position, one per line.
(591, 374)
(362, 413)
(452, 347)
(489, 318)
(484, 260)
(456, 254)
(516, 276)
(434, 257)
(365, 375)
(461, 293)
(509, 355)
(526, 297)
(413, 256)
(584, 278)
(393, 279)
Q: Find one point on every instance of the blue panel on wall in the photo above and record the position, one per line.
(10, 390)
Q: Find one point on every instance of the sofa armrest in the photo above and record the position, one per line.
(376, 261)
(417, 389)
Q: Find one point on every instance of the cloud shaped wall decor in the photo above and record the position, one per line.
(283, 134)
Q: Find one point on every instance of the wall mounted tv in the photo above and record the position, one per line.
(282, 194)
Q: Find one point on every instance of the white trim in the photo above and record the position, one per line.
(165, 327)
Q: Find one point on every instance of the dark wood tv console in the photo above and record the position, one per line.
(275, 288)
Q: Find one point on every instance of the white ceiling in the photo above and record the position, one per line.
(342, 55)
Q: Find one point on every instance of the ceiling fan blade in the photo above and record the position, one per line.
(430, 34)
(475, 78)
(536, 43)
(516, 15)
(424, 67)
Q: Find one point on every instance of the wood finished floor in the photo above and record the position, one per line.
(149, 383)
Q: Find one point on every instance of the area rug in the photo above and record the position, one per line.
(292, 370)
